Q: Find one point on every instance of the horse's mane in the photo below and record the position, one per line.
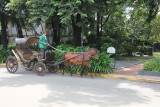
(91, 49)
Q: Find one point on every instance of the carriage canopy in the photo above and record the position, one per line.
(23, 43)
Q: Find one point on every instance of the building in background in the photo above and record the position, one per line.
(13, 33)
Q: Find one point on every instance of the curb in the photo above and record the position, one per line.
(3, 64)
(122, 77)
(132, 78)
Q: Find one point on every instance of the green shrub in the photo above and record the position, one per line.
(143, 49)
(5, 53)
(11, 47)
(128, 48)
(103, 64)
(152, 65)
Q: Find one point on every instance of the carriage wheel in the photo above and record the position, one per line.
(31, 65)
(11, 64)
(40, 68)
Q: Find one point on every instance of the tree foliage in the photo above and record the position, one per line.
(124, 24)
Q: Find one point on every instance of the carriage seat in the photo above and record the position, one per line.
(28, 55)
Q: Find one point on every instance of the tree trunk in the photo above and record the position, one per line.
(20, 34)
(42, 28)
(59, 34)
(56, 32)
(101, 27)
(76, 30)
(26, 32)
(4, 33)
(98, 22)
(150, 51)
(98, 39)
(129, 53)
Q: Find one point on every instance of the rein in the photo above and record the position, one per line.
(81, 53)
(64, 51)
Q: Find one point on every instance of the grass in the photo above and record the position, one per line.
(141, 58)
(156, 54)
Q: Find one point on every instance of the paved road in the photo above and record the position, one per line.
(25, 89)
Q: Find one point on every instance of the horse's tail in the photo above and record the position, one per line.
(61, 66)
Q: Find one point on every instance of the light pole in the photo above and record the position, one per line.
(82, 42)
(82, 39)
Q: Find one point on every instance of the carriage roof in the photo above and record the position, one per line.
(25, 42)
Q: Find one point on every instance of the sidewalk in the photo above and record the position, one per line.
(130, 72)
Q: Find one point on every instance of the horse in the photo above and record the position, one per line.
(79, 59)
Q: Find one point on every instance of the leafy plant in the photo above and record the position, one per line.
(5, 53)
(143, 49)
(11, 47)
(103, 64)
(152, 65)
(128, 47)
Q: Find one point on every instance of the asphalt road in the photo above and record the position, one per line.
(26, 89)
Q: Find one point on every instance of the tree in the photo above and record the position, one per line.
(75, 11)
(46, 12)
(4, 12)
(19, 15)
(140, 22)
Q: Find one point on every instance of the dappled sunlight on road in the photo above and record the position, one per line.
(150, 96)
(26, 89)
(5, 74)
(19, 96)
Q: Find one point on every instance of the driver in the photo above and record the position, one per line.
(43, 43)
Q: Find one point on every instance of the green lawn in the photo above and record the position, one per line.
(156, 54)
(139, 58)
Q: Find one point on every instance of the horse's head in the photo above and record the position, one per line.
(94, 53)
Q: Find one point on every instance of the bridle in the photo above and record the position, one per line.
(93, 53)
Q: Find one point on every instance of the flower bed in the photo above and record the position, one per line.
(151, 68)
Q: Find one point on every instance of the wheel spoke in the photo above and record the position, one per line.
(40, 68)
(11, 64)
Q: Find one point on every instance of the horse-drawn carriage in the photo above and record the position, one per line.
(26, 53)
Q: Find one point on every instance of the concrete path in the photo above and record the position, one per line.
(131, 70)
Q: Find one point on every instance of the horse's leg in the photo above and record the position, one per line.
(69, 65)
(90, 71)
(82, 71)
(70, 71)
(63, 70)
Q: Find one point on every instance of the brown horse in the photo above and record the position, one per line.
(79, 59)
